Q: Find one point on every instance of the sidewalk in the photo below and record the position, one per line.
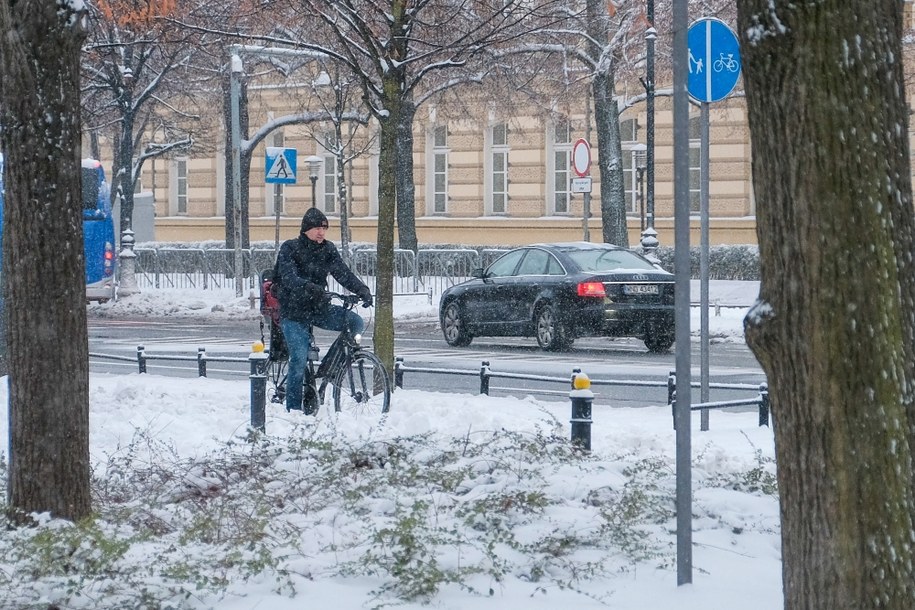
(726, 293)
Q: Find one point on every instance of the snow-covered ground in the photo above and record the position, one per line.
(458, 502)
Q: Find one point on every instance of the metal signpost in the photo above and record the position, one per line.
(714, 68)
(581, 165)
(707, 58)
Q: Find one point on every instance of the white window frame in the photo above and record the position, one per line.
(629, 138)
(374, 161)
(178, 186)
(496, 153)
(437, 167)
(328, 193)
(559, 147)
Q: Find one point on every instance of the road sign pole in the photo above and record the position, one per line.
(235, 95)
(703, 263)
(683, 501)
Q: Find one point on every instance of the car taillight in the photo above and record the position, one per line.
(591, 289)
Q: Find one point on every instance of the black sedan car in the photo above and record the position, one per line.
(557, 292)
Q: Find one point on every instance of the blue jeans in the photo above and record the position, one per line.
(298, 340)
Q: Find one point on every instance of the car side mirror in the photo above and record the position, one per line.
(478, 273)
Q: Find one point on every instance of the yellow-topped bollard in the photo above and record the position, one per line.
(581, 381)
(581, 397)
(258, 377)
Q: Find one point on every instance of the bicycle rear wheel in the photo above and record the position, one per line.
(362, 387)
(276, 381)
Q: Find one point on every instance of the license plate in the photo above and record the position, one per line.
(640, 289)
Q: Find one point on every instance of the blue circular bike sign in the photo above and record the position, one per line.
(714, 60)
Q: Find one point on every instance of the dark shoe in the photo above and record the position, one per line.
(311, 402)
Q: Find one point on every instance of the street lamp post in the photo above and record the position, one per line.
(640, 151)
(314, 170)
(649, 239)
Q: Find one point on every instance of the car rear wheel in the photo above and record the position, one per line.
(551, 334)
(658, 338)
(456, 334)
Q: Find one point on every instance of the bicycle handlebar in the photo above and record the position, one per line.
(348, 300)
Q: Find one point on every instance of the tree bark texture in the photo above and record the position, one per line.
(43, 264)
(383, 334)
(833, 327)
(610, 162)
(244, 162)
(607, 119)
(406, 188)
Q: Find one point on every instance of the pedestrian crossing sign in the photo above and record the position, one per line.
(280, 165)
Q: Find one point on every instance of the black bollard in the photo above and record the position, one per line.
(484, 377)
(764, 404)
(258, 377)
(141, 358)
(581, 397)
(201, 362)
(398, 372)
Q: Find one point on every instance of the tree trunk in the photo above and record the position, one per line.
(383, 337)
(609, 162)
(833, 328)
(245, 163)
(43, 265)
(123, 172)
(607, 119)
(406, 188)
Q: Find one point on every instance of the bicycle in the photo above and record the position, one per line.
(357, 378)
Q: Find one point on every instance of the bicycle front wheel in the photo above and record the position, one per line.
(362, 387)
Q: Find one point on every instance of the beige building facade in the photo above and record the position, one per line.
(485, 179)
(479, 181)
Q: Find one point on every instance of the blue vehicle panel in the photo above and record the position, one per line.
(98, 229)
(98, 233)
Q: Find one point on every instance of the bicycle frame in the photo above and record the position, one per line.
(344, 358)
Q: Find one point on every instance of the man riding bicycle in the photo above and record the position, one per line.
(303, 265)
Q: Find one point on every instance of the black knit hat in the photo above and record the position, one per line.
(313, 218)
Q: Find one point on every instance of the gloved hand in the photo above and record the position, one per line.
(365, 295)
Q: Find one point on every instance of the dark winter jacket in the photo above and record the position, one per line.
(303, 266)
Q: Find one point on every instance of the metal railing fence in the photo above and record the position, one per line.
(485, 374)
(426, 271)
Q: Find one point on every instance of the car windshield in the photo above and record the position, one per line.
(598, 260)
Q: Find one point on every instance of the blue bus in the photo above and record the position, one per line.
(98, 231)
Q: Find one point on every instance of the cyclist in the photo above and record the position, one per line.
(303, 265)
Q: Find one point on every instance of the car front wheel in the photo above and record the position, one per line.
(456, 334)
(551, 334)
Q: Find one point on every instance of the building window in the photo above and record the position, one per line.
(498, 169)
(330, 184)
(439, 169)
(276, 193)
(330, 174)
(629, 138)
(695, 164)
(561, 160)
(181, 185)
